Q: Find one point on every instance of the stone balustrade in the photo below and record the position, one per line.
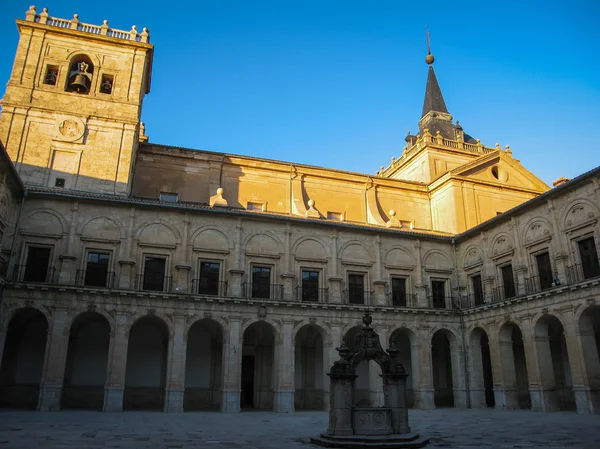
(74, 24)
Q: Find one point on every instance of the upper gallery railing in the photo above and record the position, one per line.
(75, 24)
(427, 139)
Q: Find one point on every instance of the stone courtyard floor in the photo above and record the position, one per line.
(448, 428)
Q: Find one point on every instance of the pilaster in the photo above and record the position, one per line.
(54, 363)
(176, 367)
(232, 362)
(283, 397)
(117, 364)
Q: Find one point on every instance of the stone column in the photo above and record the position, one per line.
(54, 363)
(232, 364)
(476, 381)
(581, 387)
(506, 392)
(546, 392)
(424, 392)
(394, 386)
(176, 367)
(419, 285)
(283, 395)
(459, 382)
(340, 413)
(539, 399)
(589, 392)
(235, 283)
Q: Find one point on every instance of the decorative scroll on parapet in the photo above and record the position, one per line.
(373, 215)
(298, 207)
(218, 200)
(75, 24)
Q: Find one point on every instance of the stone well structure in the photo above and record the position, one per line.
(368, 427)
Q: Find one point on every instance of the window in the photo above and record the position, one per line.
(508, 281)
(261, 282)
(208, 284)
(169, 197)
(477, 290)
(37, 268)
(356, 288)
(399, 292)
(51, 75)
(589, 258)
(106, 86)
(544, 270)
(153, 278)
(438, 294)
(59, 182)
(96, 270)
(335, 216)
(255, 206)
(310, 286)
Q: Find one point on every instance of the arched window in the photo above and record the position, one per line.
(81, 71)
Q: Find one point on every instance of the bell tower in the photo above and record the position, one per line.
(71, 113)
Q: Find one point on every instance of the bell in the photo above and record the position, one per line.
(80, 83)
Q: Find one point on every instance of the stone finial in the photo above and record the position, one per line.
(393, 221)
(498, 146)
(133, 33)
(145, 36)
(104, 28)
(367, 319)
(508, 150)
(142, 136)
(218, 200)
(30, 14)
(74, 21)
(44, 16)
(438, 137)
(312, 212)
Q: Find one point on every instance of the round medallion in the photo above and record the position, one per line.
(68, 128)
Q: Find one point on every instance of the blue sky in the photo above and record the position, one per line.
(339, 83)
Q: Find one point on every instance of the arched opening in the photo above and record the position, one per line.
(308, 369)
(81, 72)
(405, 341)
(514, 368)
(589, 334)
(441, 359)
(23, 359)
(145, 375)
(553, 359)
(203, 367)
(87, 357)
(258, 353)
(480, 372)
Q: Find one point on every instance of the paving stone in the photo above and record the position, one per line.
(449, 428)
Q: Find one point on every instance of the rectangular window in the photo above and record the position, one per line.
(261, 282)
(37, 268)
(106, 86)
(154, 273)
(544, 270)
(255, 206)
(477, 290)
(208, 283)
(438, 294)
(508, 281)
(96, 270)
(310, 286)
(169, 197)
(356, 288)
(589, 258)
(51, 75)
(399, 292)
(335, 216)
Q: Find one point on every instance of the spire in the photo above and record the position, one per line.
(434, 101)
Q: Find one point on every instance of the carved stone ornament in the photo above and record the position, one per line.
(70, 129)
(262, 312)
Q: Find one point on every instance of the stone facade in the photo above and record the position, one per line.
(206, 280)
